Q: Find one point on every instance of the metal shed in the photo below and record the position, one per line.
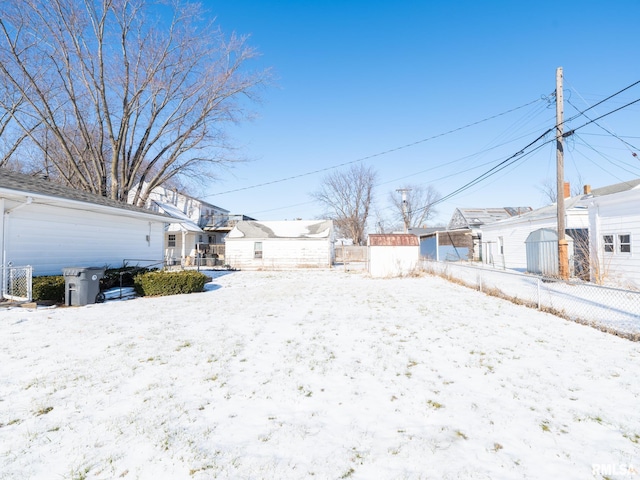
(542, 251)
(392, 255)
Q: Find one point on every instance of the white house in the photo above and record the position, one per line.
(604, 224)
(49, 227)
(280, 244)
(393, 255)
(614, 237)
(503, 242)
(188, 234)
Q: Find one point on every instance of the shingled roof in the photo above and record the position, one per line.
(282, 229)
(30, 185)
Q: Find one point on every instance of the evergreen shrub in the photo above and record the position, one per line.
(169, 283)
(50, 288)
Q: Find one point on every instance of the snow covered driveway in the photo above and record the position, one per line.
(315, 374)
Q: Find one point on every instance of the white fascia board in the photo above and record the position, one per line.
(79, 205)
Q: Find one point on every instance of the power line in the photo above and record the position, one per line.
(385, 152)
(602, 101)
(516, 156)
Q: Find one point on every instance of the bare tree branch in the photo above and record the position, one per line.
(347, 196)
(131, 98)
(418, 210)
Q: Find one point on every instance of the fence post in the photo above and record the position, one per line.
(539, 300)
(480, 281)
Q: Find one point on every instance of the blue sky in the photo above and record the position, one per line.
(355, 79)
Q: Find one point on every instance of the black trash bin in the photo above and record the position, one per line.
(81, 284)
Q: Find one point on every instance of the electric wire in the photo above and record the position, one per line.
(368, 157)
(632, 149)
(516, 156)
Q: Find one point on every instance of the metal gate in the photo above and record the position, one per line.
(17, 283)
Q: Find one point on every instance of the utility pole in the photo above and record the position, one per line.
(563, 257)
(405, 217)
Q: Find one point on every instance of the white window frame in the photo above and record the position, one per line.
(171, 242)
(608, 243)
(621, 244)
(257, 249)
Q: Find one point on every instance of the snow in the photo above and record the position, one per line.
(315, 374)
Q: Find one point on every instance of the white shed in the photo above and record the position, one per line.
(50, 226)
(542, 251)
(280, 244)
(393, 254)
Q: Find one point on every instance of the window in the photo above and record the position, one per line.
(624, 243)
(257, 250)
(172, 241)
(607, 241)
(501, 245)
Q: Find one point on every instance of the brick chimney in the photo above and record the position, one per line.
(587, 189)
(567, 189)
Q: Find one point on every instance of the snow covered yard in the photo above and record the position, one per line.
(315, 374)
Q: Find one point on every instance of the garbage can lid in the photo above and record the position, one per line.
(77, 271)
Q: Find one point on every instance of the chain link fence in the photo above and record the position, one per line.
(609, 309)
(17, 283)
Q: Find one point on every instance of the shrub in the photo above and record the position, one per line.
(120, 277)
(169, 283)
(48, 288)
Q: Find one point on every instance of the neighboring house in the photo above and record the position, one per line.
(393, 254)
(199, 227)
(503, 242)
(280, 244)
(614, 234)
(449, 245)
(50, 227)
(474, 218)
(462, 238)
(603, 223)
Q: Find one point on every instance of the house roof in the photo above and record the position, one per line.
(393, 240)
(29, 185)
(475, 217)
(184, 223)
(616, 188)
(282, 229)
(577, 205)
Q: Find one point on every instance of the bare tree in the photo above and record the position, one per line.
(412, 205)
(128, 94)
(347, 196)
(549, 189)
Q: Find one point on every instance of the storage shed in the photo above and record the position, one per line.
(542, 251)
(280, 244)
(393, 254)
(50, 226)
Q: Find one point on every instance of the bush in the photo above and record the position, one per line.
(120, 277)
(169, 283)
(48, 288)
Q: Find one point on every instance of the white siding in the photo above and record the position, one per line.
(50, 238)
(278, 253)
(515, 232)
(393, 261)
(616, 214)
